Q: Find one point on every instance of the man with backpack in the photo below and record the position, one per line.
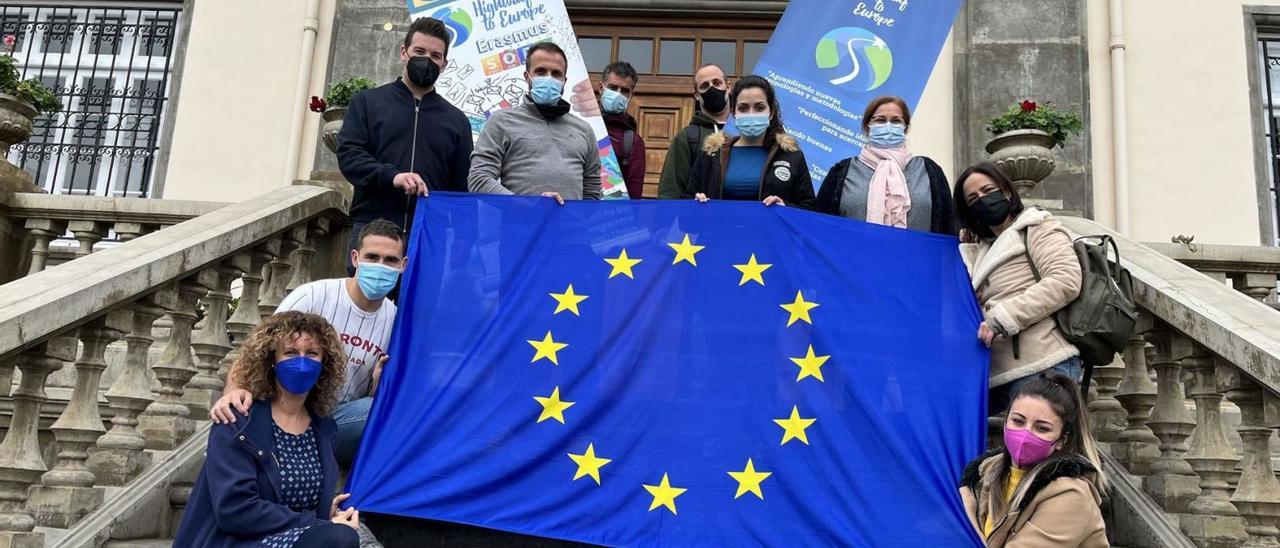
(711, 95)
(617, 85)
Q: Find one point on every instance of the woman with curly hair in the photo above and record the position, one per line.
(266, 476)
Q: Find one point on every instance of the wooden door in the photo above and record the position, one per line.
(666, 52)
(660, 118)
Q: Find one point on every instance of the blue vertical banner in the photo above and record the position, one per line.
(829, 59)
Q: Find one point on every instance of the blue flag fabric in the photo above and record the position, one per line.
(677, 374)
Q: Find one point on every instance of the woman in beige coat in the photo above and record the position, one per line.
(1024, 270)
(1043, 488)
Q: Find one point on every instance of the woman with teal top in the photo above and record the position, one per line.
(763, 163)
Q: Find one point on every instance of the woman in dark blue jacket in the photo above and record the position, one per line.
(267, 476)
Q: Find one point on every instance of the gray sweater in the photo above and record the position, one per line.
(520, 152)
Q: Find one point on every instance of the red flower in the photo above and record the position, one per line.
(10, 40)
(1028, 106)
(317, 104)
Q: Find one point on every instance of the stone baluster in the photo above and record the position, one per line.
(309, 235)
(211, 344)
(1172, 483)
(277, 280)
(119, 455)
(126, 231)
(1257, 496)
(88, 233)
(1213, 520)
(167, 422)
(1105, 410)
(248, 312)
(1137, 446)
(1258, 285)
(43, 231)
(21, 462)
(66, 493)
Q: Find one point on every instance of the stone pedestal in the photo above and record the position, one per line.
(62, 506)
(1213, 531)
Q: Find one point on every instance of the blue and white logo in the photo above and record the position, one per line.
(855, 57)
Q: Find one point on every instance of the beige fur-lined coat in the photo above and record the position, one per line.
(1014, 303)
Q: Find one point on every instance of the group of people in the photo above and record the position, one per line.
(299, 393)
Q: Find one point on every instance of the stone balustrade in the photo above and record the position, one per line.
(1207, 344)
(1252, 270)
(70, 313)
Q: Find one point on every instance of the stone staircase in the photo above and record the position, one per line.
(116, 344)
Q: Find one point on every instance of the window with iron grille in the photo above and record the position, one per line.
(111, 64)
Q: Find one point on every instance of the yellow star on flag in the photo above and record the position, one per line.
(751, 272)
(664, 494)
(588, 463)
(799, 309)
(547, 348)
(622, 265)
(685, 251)
(811, 365)
(568, 301)
(749, 480)
(794, 427)
(553, 407)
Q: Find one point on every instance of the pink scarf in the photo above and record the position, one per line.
(888, 200)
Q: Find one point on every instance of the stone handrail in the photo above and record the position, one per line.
(71, 312)
(1252, 270)
(1204, 341)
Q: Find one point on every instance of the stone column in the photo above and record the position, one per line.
(118, 456)
(1213, 521)
(247, 314)
(301, 258)
(278, 278)
(1257, 496)
(21, 462)
(167, 422)
(1172, 482)
(1137, 446)
(66, 494)
(212, 342)
(1254, 284)
(88, 233)
(1105, 410)
(43, 231)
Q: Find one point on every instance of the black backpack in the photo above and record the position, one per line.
(1100, 321)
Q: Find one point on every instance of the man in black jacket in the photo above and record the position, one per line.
(402, 139)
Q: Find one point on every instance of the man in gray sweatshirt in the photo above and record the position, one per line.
(536, 148)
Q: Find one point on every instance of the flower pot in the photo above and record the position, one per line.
(16, 116)
(1025, 155)
(332, 125)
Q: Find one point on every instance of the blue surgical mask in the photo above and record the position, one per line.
(613, 102)
(888, 135)
(751, 126)
(298, 374)
(376, 280)
(546, 91)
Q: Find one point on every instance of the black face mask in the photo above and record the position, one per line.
(714, 100)
(992, 209)
(423, 71)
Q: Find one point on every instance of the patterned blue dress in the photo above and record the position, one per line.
(300, 478)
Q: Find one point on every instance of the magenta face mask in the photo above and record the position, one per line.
(1027, 449)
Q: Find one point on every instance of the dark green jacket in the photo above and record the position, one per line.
(674, 182)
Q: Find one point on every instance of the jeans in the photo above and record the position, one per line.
(351, 417)
(1000, 397)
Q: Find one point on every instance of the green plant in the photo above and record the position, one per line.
(31, 91)
(1027, 115)
(339, 94)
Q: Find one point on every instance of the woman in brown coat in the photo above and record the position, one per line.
(1024, 270)
(1043, 489)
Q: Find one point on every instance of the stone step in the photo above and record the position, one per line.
(140, 543)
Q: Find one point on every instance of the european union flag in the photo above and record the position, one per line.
(676, 373)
